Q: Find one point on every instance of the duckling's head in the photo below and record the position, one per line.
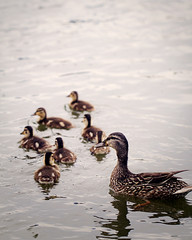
(74, 96)
(87, 120)
(48, 159)
(28, 131)
(117, 141)
(41, 112)
(59, 142)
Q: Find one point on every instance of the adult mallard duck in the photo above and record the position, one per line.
(33, 142)
(52, 122)
(143, 185)
(101, 150)
(79, 105)
(49, 173)
(89, 132)
(61, 154)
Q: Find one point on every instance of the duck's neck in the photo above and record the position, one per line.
(88, 124)
(75, 99)
(60, 145)
(121, 167)
(99, 137)
(43, 119)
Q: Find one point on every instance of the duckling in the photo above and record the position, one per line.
(52, 122)
(78, 105)
(144, 185)
(49, 173)
(62, 154)
(89, 132)
(33, 142)
(99, 150)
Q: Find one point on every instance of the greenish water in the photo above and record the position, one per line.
(132, 61)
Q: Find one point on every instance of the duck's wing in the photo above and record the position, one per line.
(158, 178)
(56, 122)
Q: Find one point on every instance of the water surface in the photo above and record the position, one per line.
(132, 61)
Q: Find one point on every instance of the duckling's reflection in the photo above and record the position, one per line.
(46, 188)
(42, 127)
(75, 114)
(100, 157)
(168, 212)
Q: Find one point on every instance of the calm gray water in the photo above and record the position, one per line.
(133, 61)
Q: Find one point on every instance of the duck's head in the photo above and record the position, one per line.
(41, 112)
(28, 131)
(48, 159)
(117, 141)
(74, 96)
(87, 120)
(59, 142)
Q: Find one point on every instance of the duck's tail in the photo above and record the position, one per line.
(183, 191)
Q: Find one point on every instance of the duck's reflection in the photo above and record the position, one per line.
(168, 212)
(115, 228)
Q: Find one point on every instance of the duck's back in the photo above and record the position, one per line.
(99, 151)
(55, 122)
(47, 175)
(81, 106)
(90, 133)
(153, 185)
(64, 155)
(35, 143)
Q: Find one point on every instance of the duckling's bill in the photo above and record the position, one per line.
(98, 145)
(22, 133)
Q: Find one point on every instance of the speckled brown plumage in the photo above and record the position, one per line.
(62, 154)
(143, 185)
(101, 150)
(89, 132)
(49, 173)
(33, 142)
(52, 122)
(79, 105)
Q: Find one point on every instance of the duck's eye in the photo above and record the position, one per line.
(113, 138)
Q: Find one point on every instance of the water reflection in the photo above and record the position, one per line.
(74, 114)
(42, 128)
(46, 188)
(115, 228)
(100, 157)
(169, 212)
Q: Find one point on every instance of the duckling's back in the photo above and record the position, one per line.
(47, 175)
